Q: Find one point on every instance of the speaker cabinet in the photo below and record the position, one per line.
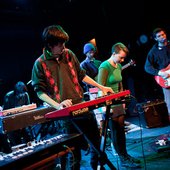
(155, 114)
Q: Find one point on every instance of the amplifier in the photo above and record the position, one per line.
(155, 113)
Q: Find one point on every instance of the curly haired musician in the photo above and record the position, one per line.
(158, 62)
(110, 75)
(56, 78)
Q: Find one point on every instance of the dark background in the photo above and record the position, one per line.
(108, 21)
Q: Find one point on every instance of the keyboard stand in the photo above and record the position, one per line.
(103, 157)
(104, 135)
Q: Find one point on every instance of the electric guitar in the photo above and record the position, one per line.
(165, 83)
(130, 63)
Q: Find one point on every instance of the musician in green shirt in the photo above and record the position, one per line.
(110, 75)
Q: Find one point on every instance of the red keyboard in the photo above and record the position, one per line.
(83, 107)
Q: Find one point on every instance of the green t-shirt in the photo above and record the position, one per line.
(109, 75)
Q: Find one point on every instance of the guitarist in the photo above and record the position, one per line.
(90, 64)
(158, 59)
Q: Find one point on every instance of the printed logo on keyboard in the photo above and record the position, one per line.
(80, 111)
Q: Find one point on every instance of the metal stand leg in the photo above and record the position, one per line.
(103, 157)
(104, 137)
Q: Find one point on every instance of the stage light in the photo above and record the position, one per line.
(93, 41)
(143, 39)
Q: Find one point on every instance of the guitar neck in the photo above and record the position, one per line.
(125, 66)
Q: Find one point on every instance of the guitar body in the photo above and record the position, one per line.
(165, 83)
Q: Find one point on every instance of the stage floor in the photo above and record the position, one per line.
(142, 143)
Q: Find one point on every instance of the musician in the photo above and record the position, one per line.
(90, 63)
(158, 58)
(16, 98)
(110, 75)
(56, 78)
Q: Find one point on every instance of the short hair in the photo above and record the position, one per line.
(156, 30)
(54, 34)
(119, 46)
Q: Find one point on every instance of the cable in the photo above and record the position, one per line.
(70, 150)
(140, 111)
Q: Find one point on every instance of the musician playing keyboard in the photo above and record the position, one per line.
(56, 78)
(16, 98)
(110, 75)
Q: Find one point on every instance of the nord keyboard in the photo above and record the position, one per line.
(39, 153)
(81, 108)
(20, 120)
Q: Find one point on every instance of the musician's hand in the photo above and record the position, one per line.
(163, 74)
(65, 103)
(106, 90)
(124, 105)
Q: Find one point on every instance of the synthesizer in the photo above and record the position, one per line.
(20, 120)
(18, 109)
(38, 153)
(84, 107)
